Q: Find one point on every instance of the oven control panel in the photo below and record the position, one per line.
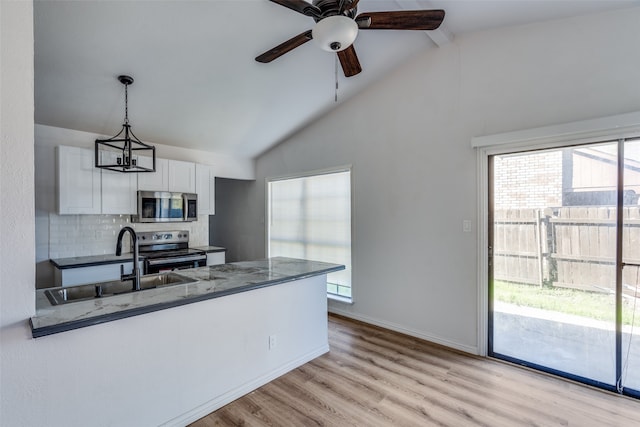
(162, 237)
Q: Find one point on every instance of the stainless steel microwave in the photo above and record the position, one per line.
(163, 206)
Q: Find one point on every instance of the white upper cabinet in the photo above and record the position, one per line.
(118, 189)
(154, 181)
(85, 189)
(78, 181)
(182, 176)
(170, 175)
(205, 188)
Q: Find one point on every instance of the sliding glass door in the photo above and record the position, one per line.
(628, 295)
(565, 260)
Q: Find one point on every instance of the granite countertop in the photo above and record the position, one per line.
(212, 282)
(210, 249)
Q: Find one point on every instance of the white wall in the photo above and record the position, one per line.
(17, 293)
(408, 139)
(163, 367)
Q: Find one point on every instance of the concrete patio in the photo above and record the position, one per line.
(573, 344)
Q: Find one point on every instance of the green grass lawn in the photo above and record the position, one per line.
(580, 303)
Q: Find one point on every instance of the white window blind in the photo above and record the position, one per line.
(310, 218)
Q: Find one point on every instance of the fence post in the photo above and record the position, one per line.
(550, 233)
(538, 230)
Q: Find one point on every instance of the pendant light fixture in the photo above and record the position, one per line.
(124, 152)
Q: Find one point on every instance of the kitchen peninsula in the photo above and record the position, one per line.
(194, 347)
(208, 282)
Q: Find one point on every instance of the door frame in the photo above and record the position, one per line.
(573, 133)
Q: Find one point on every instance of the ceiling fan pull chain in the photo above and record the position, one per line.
(336, 75)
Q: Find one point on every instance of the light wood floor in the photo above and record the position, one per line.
(374, 377)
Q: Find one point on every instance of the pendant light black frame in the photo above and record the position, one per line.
(125, 145)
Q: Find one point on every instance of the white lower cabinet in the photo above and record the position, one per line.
(215, 258)
(91, 274)
(105, 272)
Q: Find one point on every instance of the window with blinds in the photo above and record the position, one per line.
(309, 217)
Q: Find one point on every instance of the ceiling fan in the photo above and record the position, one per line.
(337, 26)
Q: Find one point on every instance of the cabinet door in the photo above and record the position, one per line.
(154, 181)
(78, 181)
(215, 258)
(205, 188)
(182, 176)
(118, 189)
(92, 274)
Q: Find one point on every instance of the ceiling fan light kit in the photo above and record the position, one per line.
(120, 152)
(337, 25)
(335, 33)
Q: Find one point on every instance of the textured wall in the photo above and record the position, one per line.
(17, 245)
(162, 367)
(415, 173)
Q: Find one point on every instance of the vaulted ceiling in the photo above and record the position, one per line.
(197, 84)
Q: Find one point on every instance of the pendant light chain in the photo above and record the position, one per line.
(126, 104)
(121, 152)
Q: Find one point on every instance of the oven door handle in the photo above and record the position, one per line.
(175, 260)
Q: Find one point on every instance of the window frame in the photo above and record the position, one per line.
(312, 173)
(616, 127)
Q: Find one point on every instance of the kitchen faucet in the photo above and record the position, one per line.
(135, 273)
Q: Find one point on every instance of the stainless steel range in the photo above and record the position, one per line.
(168, 250)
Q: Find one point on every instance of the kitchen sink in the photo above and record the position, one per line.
(68, 294)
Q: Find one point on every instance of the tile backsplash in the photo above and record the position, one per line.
(82, 235)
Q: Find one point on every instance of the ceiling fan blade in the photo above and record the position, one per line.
(285, 47)
(349, 61)
(401, 20)
(348, 5)
(300, 6)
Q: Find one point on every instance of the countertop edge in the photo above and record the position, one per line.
(92, 260)
(210, 249)
(77, 324)
(81, 264)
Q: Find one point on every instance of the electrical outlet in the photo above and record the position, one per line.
(272, 342)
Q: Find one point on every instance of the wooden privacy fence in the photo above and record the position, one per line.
(573, 247)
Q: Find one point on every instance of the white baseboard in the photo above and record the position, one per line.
(224, 399)
(410, 332)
